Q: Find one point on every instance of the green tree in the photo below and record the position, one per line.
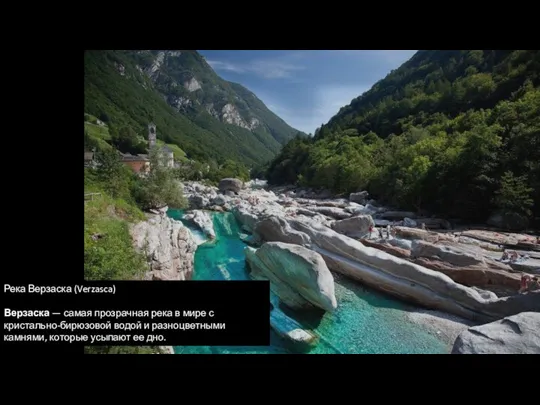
(115, 177)
(514, 195)
(126, 140)
(159, 187)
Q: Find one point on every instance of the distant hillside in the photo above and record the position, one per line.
(456, 132)
(192, 107)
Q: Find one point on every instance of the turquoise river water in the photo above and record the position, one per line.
(366, 322)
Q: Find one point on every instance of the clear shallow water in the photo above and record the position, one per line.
(365, 321)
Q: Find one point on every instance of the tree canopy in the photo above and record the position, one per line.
(454, 132)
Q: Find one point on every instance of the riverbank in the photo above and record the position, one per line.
(411, 290)
(420, 261)
(366, 321)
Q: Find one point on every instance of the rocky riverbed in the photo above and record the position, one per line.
(420, 260)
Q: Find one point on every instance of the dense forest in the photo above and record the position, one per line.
(456, 133)
(209, 119)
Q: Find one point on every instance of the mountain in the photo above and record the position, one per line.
(192, 107)
(456, 132)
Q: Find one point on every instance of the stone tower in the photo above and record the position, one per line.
(151, 135)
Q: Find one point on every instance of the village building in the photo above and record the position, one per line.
(151, 135)
(138, 163)
(90, 158)
(168, 155)
(141, 163)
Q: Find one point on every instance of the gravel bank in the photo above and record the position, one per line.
(445, 326)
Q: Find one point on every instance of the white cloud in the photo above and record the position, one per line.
(230, 67)
(268, 68)
(327, 100)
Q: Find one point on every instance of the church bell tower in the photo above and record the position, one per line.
(151, 135)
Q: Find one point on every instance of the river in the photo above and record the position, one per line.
(366, 322)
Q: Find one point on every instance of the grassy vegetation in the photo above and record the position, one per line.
(96, 130)
(108, 250)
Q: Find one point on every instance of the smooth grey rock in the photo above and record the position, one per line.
(277, 229)
(246, 218)
(359, 197)
(395, 276)
(203, 221)
(354, 227)
(517, 334)
(298, 276)
(453, 254)
(230, 184)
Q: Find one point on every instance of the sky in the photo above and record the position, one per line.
(306, 88)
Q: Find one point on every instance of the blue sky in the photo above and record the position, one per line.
(306, 88)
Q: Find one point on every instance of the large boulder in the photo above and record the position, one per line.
(230, 184)
(518, 334)
(198, 202)
(245, 217)
(359, 198)
(168, 246)
(203, 220)
(356, 227)
(277, 229)
(298, 276)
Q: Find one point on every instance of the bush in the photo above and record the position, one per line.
(514, 195)
(160, 187)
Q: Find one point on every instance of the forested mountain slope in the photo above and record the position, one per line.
(455, 132)
(192, 107)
